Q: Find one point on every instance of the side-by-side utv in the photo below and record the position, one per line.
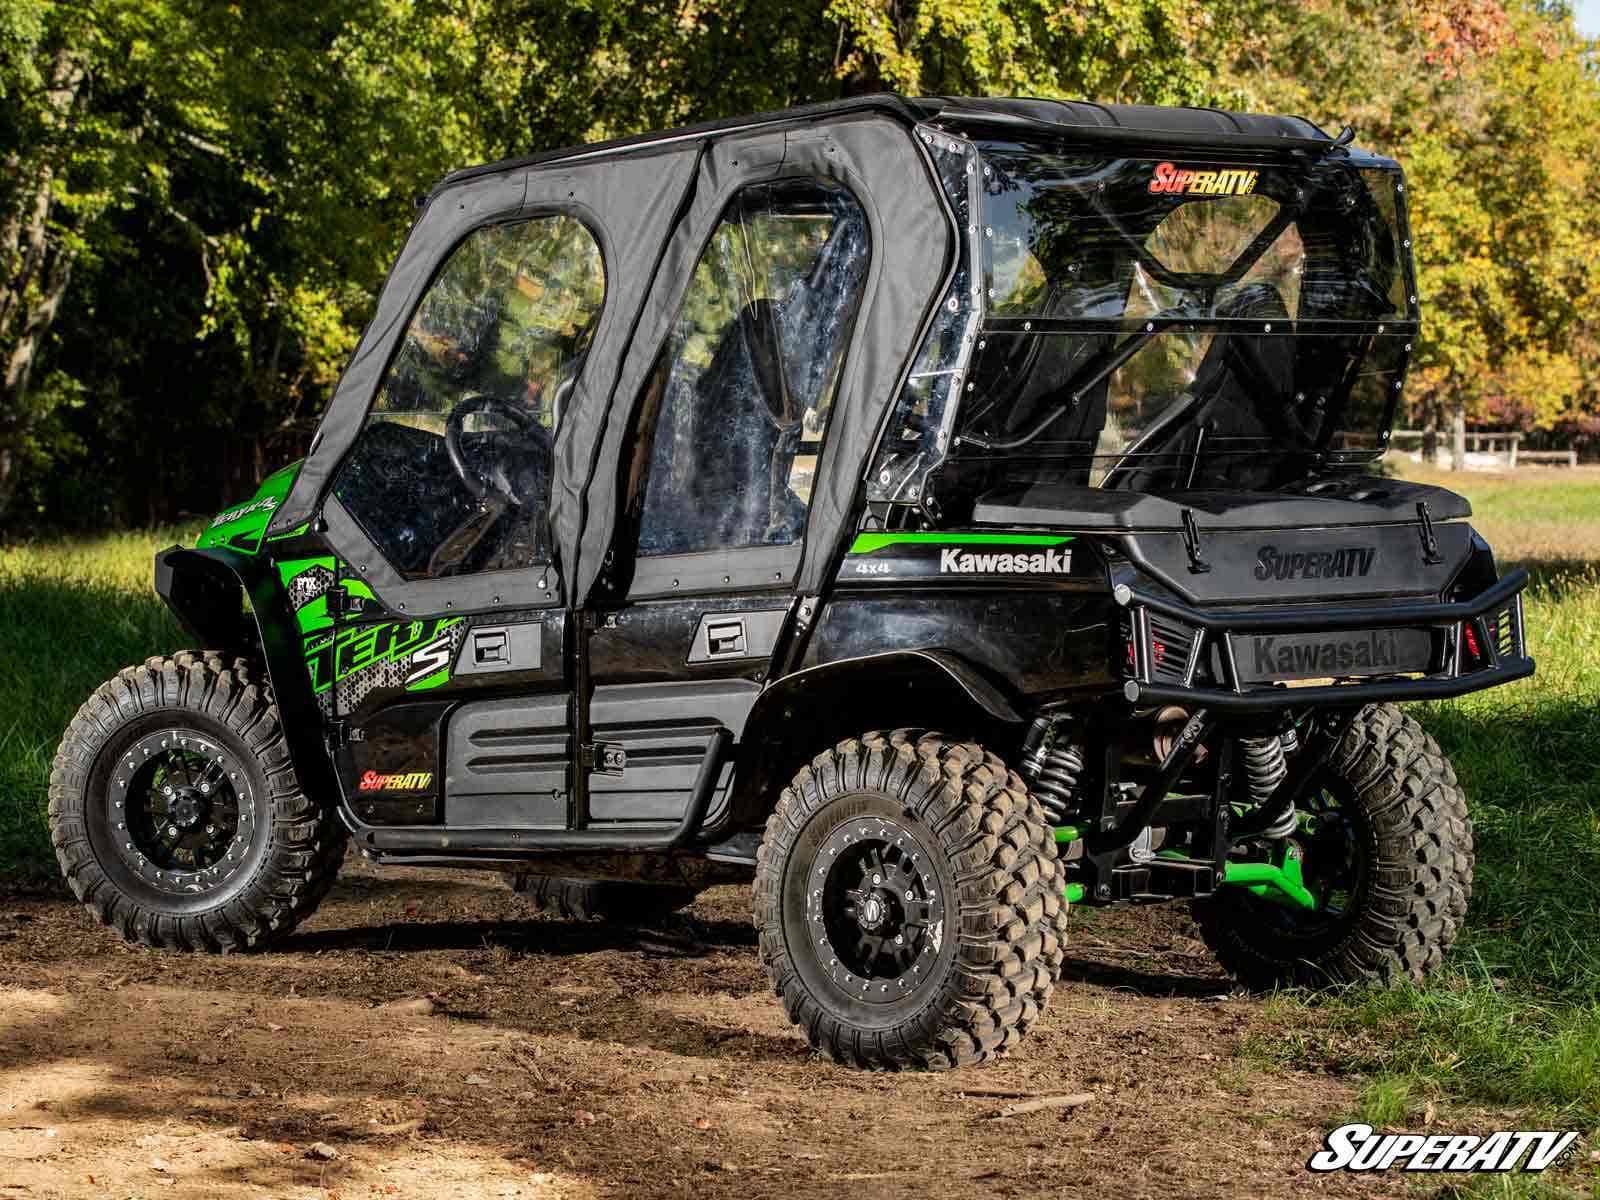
(941, 511)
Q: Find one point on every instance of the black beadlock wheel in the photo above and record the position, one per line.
(176, 815)
(1386, 848)
(625, 901)
(909, 903)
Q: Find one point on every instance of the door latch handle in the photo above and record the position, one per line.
(725, 639)
(490, 646)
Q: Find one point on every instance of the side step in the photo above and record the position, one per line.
(474, 840)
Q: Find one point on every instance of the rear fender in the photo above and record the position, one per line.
(205, 591)
(810, 711)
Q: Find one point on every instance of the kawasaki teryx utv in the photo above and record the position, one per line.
(684, 486)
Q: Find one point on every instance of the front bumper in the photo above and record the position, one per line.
(1480, 641)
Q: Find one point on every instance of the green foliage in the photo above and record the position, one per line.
(198, 201)
(1491, 106)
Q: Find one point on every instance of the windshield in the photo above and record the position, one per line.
(1158, 323)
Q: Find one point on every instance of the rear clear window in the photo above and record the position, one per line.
(1091, 239)
(1160, 324)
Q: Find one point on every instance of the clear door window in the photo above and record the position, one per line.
(451, 473)
(735, 411)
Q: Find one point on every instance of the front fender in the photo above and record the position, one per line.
(205, 590)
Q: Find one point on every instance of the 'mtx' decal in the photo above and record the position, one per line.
(1170, 180)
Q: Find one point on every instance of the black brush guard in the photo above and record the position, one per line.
(1488, 627)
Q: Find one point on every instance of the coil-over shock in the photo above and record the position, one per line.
(1265, 767)
(1052, 767)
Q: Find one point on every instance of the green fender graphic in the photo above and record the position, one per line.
(244, 527)
(415, 654)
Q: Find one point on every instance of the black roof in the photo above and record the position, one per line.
(1143, 123)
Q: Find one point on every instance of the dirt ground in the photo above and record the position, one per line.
(576, 1060)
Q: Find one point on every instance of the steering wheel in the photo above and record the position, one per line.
(508, 463)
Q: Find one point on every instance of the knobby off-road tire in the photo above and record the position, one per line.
(285, 851)
(1412, 845)
(962, 849)
(602, 899)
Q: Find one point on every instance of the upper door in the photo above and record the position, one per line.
(795, 286)
(451, 462)
(450, 476)
(734, 414)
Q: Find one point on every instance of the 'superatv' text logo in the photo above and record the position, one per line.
(1272, 563)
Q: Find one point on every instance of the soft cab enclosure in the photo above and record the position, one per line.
(758, 387)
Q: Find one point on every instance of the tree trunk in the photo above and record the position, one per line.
(35, 269)
(1458, 439)
(1430, 433)
(17, 417)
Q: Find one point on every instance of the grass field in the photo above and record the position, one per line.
(71, 615)
(1513, 1019)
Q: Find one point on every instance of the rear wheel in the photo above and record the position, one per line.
(602, 899)
(909, 903)
(176, 815)
(1384, 846)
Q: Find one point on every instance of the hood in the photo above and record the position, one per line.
(243, 527)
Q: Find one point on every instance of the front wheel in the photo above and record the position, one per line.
(909, 903)
(1384, 846)
(176, 814)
